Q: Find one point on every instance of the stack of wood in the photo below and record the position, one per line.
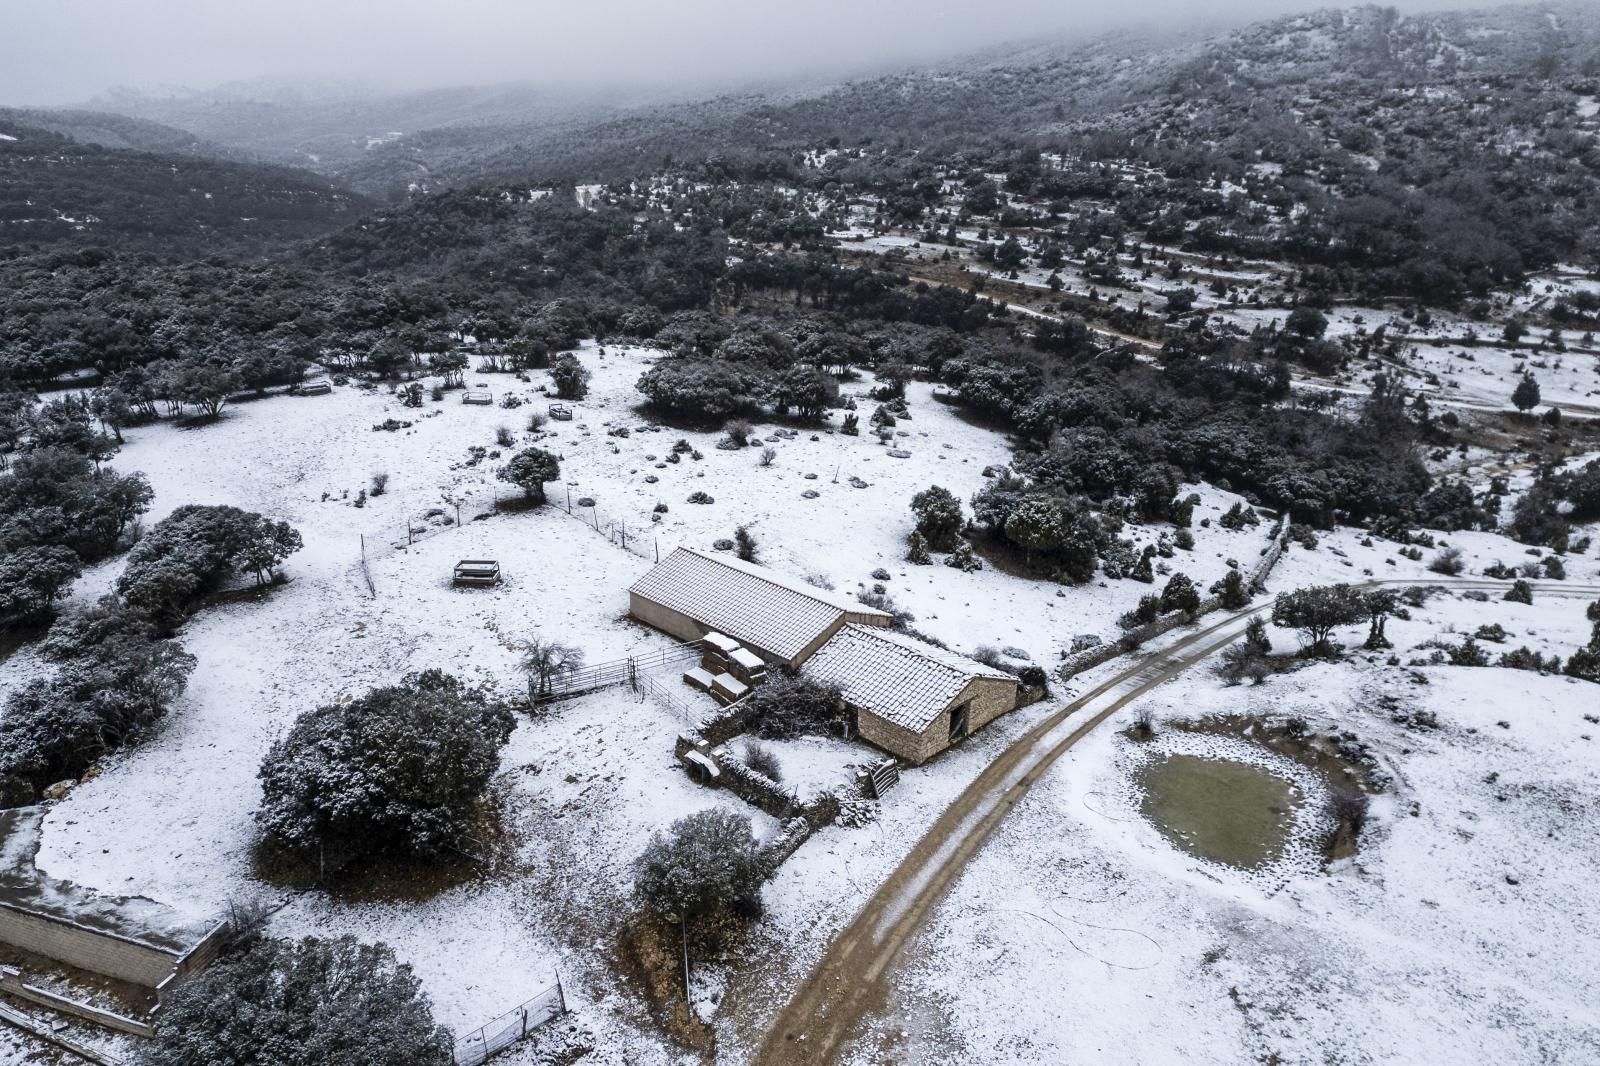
(732, 668)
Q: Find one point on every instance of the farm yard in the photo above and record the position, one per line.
(1086, 552)
(585, 782)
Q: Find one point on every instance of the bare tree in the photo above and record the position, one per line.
(546, 661)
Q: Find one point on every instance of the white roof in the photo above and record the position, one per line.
(755, 605)
(899, 679)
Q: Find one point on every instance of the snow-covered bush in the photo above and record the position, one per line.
(529, 469)
(938, 515)
(308, 1003)
(397, 773)
(794, 705)
(570, 377)
(707, 862)
(193, 549)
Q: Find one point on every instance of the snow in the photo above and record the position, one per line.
(1074, 893)
(1421, 948)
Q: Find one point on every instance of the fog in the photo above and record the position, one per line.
(64, 51)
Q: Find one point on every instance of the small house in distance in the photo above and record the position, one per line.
(910, 698)
(691, 593)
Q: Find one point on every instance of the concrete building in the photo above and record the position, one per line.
(691, 593)
(910, 698)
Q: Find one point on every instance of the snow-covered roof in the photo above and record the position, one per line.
(899, 679)
(757, 606)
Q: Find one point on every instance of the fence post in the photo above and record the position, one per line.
(561, 993)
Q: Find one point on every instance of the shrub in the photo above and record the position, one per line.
(570, 377)
(1232, 592)
(1448, 562)
(917, 549)
(380, 483)
(768, 454)
(396, 773)
(744, 544)
(308, 1003)
(701, 497)
(529, 469)
(739, 433)
(504, 437)
(763, 760)
(794, 705)
(707, 862)
(963, 558)
(189, 552)
(1520, 592)
(1180, 595)
(938, 515)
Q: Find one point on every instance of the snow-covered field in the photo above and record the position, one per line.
(586, 783)
(1460, 932)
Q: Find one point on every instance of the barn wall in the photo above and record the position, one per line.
(677, 624)
(991, 697)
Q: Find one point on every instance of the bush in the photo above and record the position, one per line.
(745, 544)
(309, 1003)
(1520, 592)
(1231, 592)
(193, 549)
(1180, 595)
(938, 515)
(707, 862)
(380, 483)
(793, 705)
(1448, 562)
(529, 469)
(917, 549)
(504, 437)
(763, 760)
(570, 377)
(397, 773)
(739, 433)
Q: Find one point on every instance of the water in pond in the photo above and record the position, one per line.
(1218, 809)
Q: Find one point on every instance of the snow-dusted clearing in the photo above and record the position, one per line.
(1459, 931)
(585, 783)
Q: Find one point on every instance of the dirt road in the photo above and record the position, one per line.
(852, 977)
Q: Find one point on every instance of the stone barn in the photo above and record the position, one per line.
(910, 698)
(691, 593)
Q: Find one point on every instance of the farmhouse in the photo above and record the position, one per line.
(911, 698)
(691, 593)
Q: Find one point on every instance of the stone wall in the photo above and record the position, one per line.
(1100, 654)
(85, 948)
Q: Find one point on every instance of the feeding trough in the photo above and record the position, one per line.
(478, 394)
(477, 573)
(561, 412)
(314, 387)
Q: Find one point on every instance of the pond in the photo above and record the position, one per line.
(1219, 809)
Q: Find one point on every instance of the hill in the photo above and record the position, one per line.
(55, 188)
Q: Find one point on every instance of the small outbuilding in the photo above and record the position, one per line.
(910, 698)
(691, 593)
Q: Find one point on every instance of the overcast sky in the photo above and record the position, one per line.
(59, 51)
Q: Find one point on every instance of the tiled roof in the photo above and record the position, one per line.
(897, 678)
(751, 603)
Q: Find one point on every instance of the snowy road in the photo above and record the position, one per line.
(850, 980)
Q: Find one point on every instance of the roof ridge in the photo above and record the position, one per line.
(777, 577)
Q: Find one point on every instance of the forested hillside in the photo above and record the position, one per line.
(54, 188)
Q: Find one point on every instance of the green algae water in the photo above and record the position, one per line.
(1218, 809)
